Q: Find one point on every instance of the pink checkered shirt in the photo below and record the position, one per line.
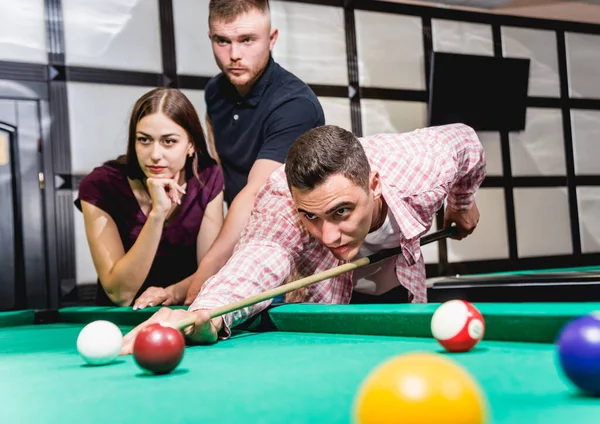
(419, 171)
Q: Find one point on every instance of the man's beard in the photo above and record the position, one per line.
(251, 74)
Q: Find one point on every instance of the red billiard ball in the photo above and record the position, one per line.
(457, 325)
(158, 348)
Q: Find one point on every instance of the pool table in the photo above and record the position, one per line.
(565, 284)
(294, 363)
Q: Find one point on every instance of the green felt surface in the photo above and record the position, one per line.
(275, 377)
(308, 371)
(8, 319)
(591, 268)
(527, 322)
(118, 315)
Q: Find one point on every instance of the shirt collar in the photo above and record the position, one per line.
(406, 216)
(408, 221)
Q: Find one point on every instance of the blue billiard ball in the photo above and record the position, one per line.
(579, 352)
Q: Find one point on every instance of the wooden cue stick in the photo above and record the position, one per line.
(315, 278)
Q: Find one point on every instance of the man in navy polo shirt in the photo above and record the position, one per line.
(255, 111)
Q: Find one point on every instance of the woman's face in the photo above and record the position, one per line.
(161, 146)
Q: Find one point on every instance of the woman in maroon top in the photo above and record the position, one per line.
(151, 214)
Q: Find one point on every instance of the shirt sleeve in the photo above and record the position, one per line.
(447, 163)
(422, 169)
(469, 157)
(93, 190)
(285, 124)
(264, 257)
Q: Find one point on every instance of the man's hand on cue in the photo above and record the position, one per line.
(466, 221)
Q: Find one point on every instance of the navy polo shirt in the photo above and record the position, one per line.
(261, 125)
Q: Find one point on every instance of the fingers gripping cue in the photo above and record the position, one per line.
(315, 278)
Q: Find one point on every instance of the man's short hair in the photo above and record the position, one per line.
(325, 151)
(228, 10)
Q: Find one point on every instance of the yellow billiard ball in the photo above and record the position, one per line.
(422, 388)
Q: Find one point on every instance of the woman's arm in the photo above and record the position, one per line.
(175, 294)
(212, 222)
(121, 274)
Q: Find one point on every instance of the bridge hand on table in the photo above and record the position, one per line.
(204, 330)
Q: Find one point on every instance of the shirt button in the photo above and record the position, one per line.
(235, 117)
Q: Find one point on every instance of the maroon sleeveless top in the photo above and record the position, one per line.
(107, 188)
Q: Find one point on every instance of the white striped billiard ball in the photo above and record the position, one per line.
(457, 325)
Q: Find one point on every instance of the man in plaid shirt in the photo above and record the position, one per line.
(341, 198)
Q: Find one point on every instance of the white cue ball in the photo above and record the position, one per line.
(99, 342)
